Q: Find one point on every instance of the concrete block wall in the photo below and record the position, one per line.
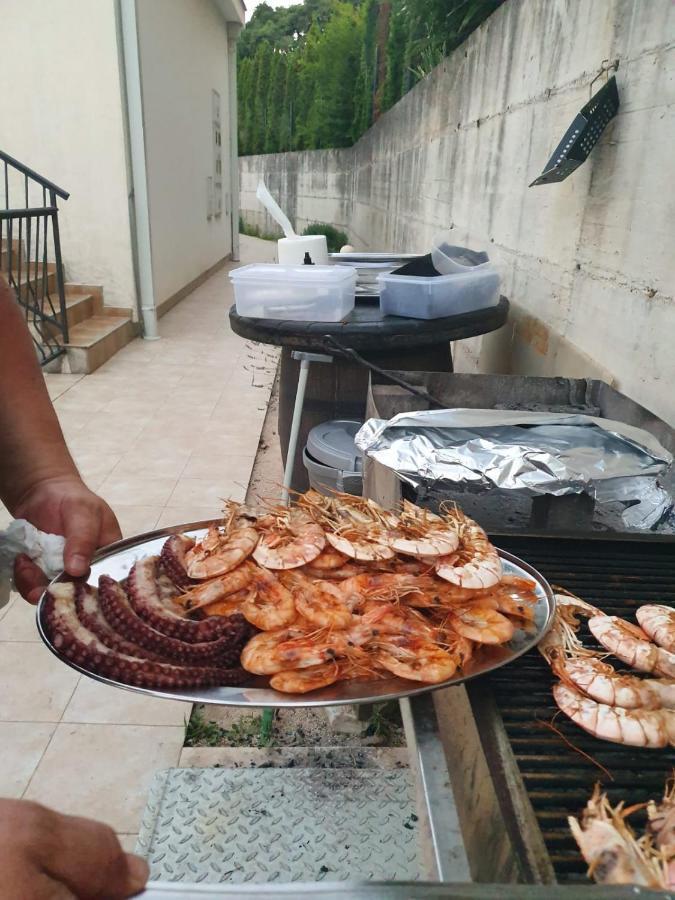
(588, 264)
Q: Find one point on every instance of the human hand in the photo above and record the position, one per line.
(66, 506)
(48, 856)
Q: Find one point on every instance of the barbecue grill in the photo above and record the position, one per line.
(531, 779)
(514, 778)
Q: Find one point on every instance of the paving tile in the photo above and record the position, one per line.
(128, 842)
(163, 463)
(94, 467)
(136, 519)
(214, 464)
(104, 771)
(137, 490)
(19, 622)
(36, 687)
(207, 491)
(182, 515)
(23, 744)
(95, 703)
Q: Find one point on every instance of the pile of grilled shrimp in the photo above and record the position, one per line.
(614, 852)
(340, 588)
(612, 705)
(332, 588)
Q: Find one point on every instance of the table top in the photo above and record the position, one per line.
(366, 328)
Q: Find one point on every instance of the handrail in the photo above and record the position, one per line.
(32, 174)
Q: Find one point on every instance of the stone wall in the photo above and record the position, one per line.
(588, 263)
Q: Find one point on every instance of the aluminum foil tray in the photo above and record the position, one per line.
(117, 559)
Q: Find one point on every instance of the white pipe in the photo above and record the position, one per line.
(134, 97)
(233, 29)
(295, 428)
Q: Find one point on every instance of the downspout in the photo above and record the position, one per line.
(136, 139)
(233, 29)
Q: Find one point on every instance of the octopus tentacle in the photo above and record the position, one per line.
(90, 615)
(148, 599)
(172, 560)
(81, 646)
(121, 617)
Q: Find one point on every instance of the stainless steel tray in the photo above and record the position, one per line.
(117, 559)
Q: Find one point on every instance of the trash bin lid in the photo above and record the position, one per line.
(332, 443)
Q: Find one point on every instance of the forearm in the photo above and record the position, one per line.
(32, 447)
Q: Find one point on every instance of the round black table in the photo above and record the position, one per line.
(338, 390)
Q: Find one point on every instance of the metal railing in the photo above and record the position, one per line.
(30, 253)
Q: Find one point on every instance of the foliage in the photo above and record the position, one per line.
(319, 73)
(335, 238)
(254, 231)
(245, 732)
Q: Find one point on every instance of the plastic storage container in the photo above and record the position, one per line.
(422, 297)
(298, 293)
(332, 459)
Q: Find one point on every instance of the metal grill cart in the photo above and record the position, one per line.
(515, 780)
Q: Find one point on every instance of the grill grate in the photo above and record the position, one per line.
(617, 576)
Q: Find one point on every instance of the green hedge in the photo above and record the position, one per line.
(318, 74)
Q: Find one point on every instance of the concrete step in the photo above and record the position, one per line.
(93, 341)
(79, 307)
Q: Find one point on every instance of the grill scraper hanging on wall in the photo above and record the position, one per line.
(583, 134)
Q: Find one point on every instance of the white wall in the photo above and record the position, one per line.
(588, 264)
(183, 49)
(61, 114)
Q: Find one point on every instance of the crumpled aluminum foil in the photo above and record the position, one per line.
(534, 452)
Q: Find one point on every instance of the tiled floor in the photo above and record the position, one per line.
(163, 432)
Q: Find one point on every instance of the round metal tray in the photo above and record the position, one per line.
(117, 559)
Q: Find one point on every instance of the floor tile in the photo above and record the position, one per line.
(137, 490)
(23, 744)
(128, 842)
(35, 686)
(215, 464)
(19, 622)
(95, 703)
(161, 463)
(206, 491)
(104, 771)
(95, 467)
(182, 515)
(136, 519)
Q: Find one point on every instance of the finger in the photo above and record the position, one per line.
(88, 858)
(81, 526)
(29, 579)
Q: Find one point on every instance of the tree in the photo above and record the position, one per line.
(262, 62)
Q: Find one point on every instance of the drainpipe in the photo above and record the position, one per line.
(233, 29)
(136, 139)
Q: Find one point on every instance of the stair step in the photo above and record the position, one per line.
(79, 307)
(93, 341)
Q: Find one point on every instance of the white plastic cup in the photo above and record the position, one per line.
(291, 250)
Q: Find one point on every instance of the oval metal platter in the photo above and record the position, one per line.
(117, 559)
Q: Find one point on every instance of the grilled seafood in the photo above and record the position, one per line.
(300, 681)
(319, 603)
(600, 681)
(561, 639)
(415, 658)
(610, 848)
(481, 624)
(658, 623)
(219, 551)
(268, 604)
(421, 533)
(477, 564)
(290, 539)
(631, 645)
(652, 729)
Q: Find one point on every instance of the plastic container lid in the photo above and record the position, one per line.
(332, 443)
(261, 272)
(449, 259)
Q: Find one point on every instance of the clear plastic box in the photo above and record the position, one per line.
(297, 293)
(420, 297)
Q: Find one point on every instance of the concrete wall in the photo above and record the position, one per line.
(588, 264)
(61, 114)
(184, 55)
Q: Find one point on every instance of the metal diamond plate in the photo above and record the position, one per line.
(280, 825)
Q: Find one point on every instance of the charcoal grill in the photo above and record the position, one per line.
(512, 774)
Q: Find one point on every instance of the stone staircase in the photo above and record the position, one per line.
(95, 332)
